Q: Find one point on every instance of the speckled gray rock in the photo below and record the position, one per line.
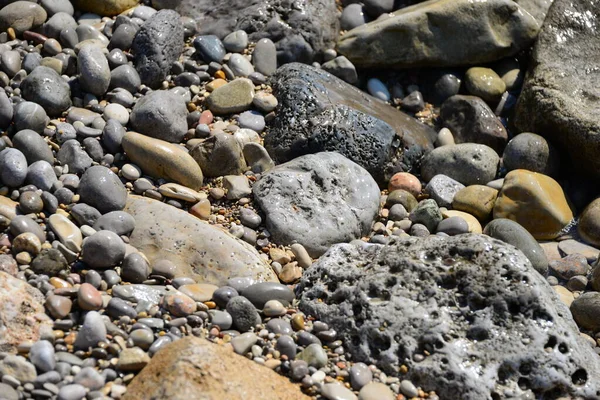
(156, 46)
(442, 189)
(468, 163)
(319, 112)
(99, 187)
(33, 146)
(93, 69)
(112, 135)
(29, 115)
(104, 249)
(427, 213)
(482, 301)
(244, 315)
(317, 200)
(13, 167)
(92, 331)
(48, 89)
(161, 115)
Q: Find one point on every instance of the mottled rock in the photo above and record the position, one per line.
(477, 200)
(48, 89)
(162, 115)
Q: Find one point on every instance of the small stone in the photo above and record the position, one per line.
(13, 167)
(92, 331)
(28, 242)
(337, 391)
(179, 304)
(89, 298)
(286, 346)
(237, 186)
(222, 295)
(132, 359)
(569, 266)
(484, 83)
(103, 249)
(209, 48)
(201, 209)
(41, 355)
(342, 68)
(242, 343)
(453, 226)
(71, 392)
(443, 189)
(405, 181)
(274, 308)
(531, 152)
(236, 41)
(477, 200)
(161, 115)
(377, 89)
(360, 375)
(243, 313)
(234, 97)
(94, 70)
(200, 292)
(427, 213)
(585, 309)
(444, 138)
(408, 389)
(264, 57)
(99, 187)
(314, 355)
(376, 391)
(240, 65)
(18, 368)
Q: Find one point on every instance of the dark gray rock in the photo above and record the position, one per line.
(219, 155)
(84, 214)
(222, 295)
(101, 188)
(33, 146)
(104, 249)
(317, 200)
(135, 269)
(93, 69)
(464, 300)
(50, 262)
(59, 22)
(112, 135)
(119, 222)
(264, 57)
(209, 48)
(244, 315)
(352, 16)
(319, 112)
(29, 115)
(48, 89)
(41, 175)
(562, 104)
(260, 293)
(300, 32)
(72, 154)
(126, 77)
(156, 46)
(122, 37)
(471, 120)
(531, 152)
(13, 167)
(162, 115)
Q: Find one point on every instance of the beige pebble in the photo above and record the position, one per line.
(27, 242)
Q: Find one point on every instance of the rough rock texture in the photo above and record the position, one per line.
(490, 322)
(441, 33)
(560, 98)
(537, 8)
(22, 315)
(162, 115)
(319, 112)
(317, 200)
(300, 31)
(194, 368)
(198, 250)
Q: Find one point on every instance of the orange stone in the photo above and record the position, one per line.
(405, 181)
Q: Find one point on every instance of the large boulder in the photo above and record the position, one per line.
(537, 8)
(319, 112)
(317, 200)
(200, 251)
(440, 33)
(22, 315)
(560, 98)
(468, 315)
(301, 31)
(194, 368)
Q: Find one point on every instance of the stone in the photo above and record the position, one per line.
(72, 154)
(531, 152)
(135, 268)
(471, 120)
(21, 16)
(178, 304)
(244, 342)
(319, 112)
(240, 65)
(13, 167)
(89, 298)
(314, 355)
(211, 255)
(443, 189)
(58, 306)
(484, 83)
(378, 89)
(535, 201)
(139, 293)
(408, 284)
(29, 115)
(468, 163)
(589, 223)
(427, 213)
(104, 249)
(347, 197)
(132, 359)
(360, 375)
(33, 146)
(6, 111)
(301, 33)
(90, 378)
(162, 115)
(192, 365)
(93, 69)
(337, 391)
(92, 331)
(48, 89)
(156, 46)
(562, 106)
(405, 181)
(41, 355)
(342, 68)
(260, 293)
(22, 315)
(161, 159)
(243, 313)
(402, 197)
(572, 246)
(569, 266)
(66, 231)
(453, 226)
(101, 188)
(219, 155)
(458, 33)
(513, 233)
(50, 262)
(199, 291)
(376, 391)
(209, 48)
(118, 222)
(105, 7)
(352, 17)
(477, 200)
(234, 97)
(125, 77)
(18, 368)
(264, 57)
(585, 310)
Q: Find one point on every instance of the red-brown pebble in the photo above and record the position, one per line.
(179, 304)
(405, 181)
(206, 117)
(58, 306)
(89, 298)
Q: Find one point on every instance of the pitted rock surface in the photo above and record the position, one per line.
(319, 112)
(488, 320)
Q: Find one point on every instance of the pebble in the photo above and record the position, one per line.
(378, 89)
(376, 391)
(260, 293)
(244, 342)
(116, 112)
(135, 268)
(41, 355)
(221, 319)
(243, 313)
(360, 375)
(222, 295)
(252, 120)
(337, 391)
(234, 97)
(314, 355)
(89, 298)
(265, 102)
(484, 83)
(132, 359)
(91, 332)
(94, 70)
(89, 378)
(210, 48)
(179, 304)
(58, 306)
(236, 41)
(264, 57)
(237, 186)
(408, 389)
(71, 392)
(13, 167)
(240, 65)
(200, 292)
(103, 249)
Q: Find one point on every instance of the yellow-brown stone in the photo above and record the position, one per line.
(589, 223)
(477, 200)
(535, 201)
(105, 8)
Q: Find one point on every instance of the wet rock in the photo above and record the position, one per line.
(48, 89)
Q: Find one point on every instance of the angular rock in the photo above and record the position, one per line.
(162, 115)
(193, 366)
(210, 255)
(317, 200)
(319, 112)
(390, 303)
(442, 33)
(559, 99)
(101, 188)
(219, 155)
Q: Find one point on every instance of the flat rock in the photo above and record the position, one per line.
(442, 33)
(236, 96)
(22, 314)
(190, 366)
(210, 255)
(390, 303)
(560, 99)
(319, 112)
(317, 200)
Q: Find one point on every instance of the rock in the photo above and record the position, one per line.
(572, 246)
(535, 201)
(22, 16)
(210, 255)
(427, 213)
(360, 375)
(219, 155)
(18, 368)
(99, 187)
(191, 365)
(94, 70)
(585, 310)
(471, 120)
(48, 89)
(13, 167)
(234, 97)
(209, 48)
(547, 105)
(468, 163)
(118, 222)
(443, 189)
(161, 159)
(347, 197)
(477, 200)
(406, 284)
(457, 33)
(532, 152)
(260, 293)
(342, 68)
(126, 77)
(569, 267)
(156, 46)
(589, 223)
(257, 158)
(6, 111)
(105, 7)
(453, 226)
(71, 392)
(337, 391)
(377, 89)
(41, 355)
(485, 83)
(319, 112)
(33, 146)
(50, 262)
(132, 359)
(72, 154)
(237, 186)
(178, 304)
(66, 231)
(513, 233)
(264, 57)
(314, 355)
(92, 331)
(300, 33)
(104, 249)
(162, 115)
(376, 391)
(22, 315)
(240, 65)
(30, 115)
(243, 313)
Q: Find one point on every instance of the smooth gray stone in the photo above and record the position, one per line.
(92, 331)
(101, 188)
(31, 61)
(13, 167)
(29, 115)
(33, 146)
(244, 342)
(264, 57)
(112, 136)
(122, 37)
(135, 268)
(139, 293)
(48, 89)
(162, 115)
(10, 62)
(58, 22)
(94, 71)
(55, 6)
(260, 293)
(222, 319)
(90, 378)
(71, 392)
(279, 326)
(41, 355)
(72, 154)
(126, 77)
(84, 214)
(209, 48)
(117, 308)
(6, 110)
(286, 346)
(120, 222)
(41, 174)
(104, 249)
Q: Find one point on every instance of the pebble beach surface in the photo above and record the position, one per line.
(221, 200)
